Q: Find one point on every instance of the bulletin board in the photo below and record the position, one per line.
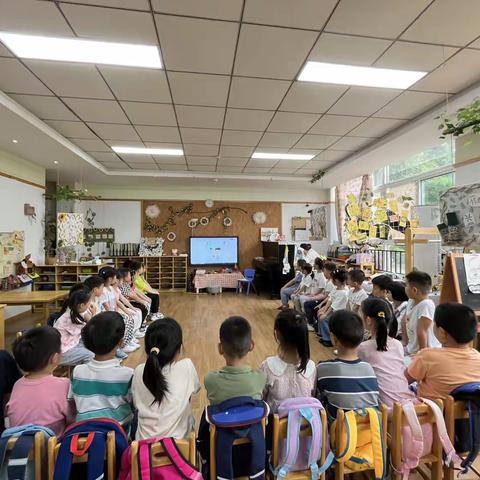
(11, 251)
(237, 215)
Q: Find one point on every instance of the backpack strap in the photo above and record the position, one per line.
(351, 440)
(415, 447)
(378, 447)
(96, 457)
(178, 461)
(17, 463)
(474, 423)
(292, 444)
(144, 460)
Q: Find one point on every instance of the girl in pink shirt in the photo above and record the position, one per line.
(39, 397)
(70, 326)
(384, 353)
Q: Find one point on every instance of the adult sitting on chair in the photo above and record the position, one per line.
(309, 254)
(291, 286)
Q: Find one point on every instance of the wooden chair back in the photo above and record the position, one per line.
(280, 428)
(433, 459)
(38, 455)
(110, 456)
(160, 458)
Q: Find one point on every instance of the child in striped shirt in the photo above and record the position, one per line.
(102, 387)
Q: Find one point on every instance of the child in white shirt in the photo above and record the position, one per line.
(317, 287)
(399, 300)
(304, 286)
(356, 294)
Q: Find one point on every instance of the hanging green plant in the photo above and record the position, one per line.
(318, 176)
(467, 121)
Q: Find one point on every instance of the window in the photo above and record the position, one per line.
(432, 188)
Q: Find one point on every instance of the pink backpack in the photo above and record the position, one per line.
(178, 469)
(417, 439)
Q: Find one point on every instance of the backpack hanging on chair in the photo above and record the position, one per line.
(302, 452)
(95, 433)
(363, 448)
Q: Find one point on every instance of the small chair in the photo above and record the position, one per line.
(280, 428)
(249, 275)
(160, 458)
(433, 460)
(54, 446)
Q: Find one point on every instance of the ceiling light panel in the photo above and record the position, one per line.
(84, 51)
(148, 151)
(282, 156)
(359, 76)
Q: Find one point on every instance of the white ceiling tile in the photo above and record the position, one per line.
(140, 84)
(347, 49)
(279, 139)
(283, 171)
(111, 24)
(126, 143)
(316, 164)
(410, 104)
(229, 169)
(316, 141)
(306, 13)
(118, 165)
(306, 171)
(202, 168)
(112, 131)
(107, 111)
(167, 160)
(71, 129)
(203, 117)
(256, 170)
(163, 145)
(232, 161)
(291, 164)
(363, 101)
(374, 18)
(173, 168)
(220, 9)
(447, 79)
(238, 119)
(240, 137)
(292, 122)
(257, 93)
(351, 143)
(375, 127)
(446, 23)
(32, 17)
(135, 159)
(158, 134)
(141, 113)
(199, 89)
(271, 51)
(229, 151)
(128, 4)
(196, 45)
(144, 166)
(15, 78)
(261, 149)
(305, 151)
(45, 107)
(105, 157)
(262, 162)
(414, 56)
(331, 155)
(205, 136)
(311, 97)
(71, 79)
(201, 160)
(91, 145)
(335, 124)
(195, 150)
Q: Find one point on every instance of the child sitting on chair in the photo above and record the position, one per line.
(39, 397)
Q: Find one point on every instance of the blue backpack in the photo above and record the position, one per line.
(467, 431)
(17, 465)
(237, 418)
(95, 433)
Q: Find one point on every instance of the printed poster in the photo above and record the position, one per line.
(11, 251)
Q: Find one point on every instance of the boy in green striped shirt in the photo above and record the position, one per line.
(102, 387)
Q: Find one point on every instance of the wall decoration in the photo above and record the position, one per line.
(11, 251)
(227, 222)
(171, 236)
(318, 223)
(193, 222)
(151, 247)
(69, 229)
(209, 203)
(152, 211)
(266, 234)
(99, 235)
(259, 218)
(151, 227)
(204, 221)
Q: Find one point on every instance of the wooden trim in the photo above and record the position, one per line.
(470, 161)
(18, 179)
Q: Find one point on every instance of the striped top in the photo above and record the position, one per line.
(102, 389)
(346, 384)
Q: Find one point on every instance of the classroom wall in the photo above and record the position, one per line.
(14, 193)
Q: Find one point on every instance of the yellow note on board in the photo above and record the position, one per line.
(383, 231)
(351, 198)
(367, 214)
(393, 205)
(403, 221)
(373, 231)
(405, 213)
(381, 215)
(380, 202)
(354, 209)
(362, 236)
(352, 226)
(362, 225)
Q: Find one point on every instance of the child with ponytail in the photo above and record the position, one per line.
(290, 373)
(383, 352)
(163, 385)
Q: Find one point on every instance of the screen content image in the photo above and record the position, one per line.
(213, 250)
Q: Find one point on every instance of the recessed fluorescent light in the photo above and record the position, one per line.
(360, 76)
(55, 162)
(15, 141)
(149, 151)
(85, 51)
(282, 156)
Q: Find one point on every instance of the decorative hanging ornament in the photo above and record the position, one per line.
(209, 203)
(259, 218)
(193, 222)
(171, 236)
(204, 221)
(227, 222)
(152, 211)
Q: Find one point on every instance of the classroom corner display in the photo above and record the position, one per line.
(70, 229)
(151, 247)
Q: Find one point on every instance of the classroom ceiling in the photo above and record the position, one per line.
(228, 87)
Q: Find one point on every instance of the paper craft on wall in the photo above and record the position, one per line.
(69, 229)
(318, 223)
(11, 251)
(151, 247)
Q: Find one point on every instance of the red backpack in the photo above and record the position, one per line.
(177, 469)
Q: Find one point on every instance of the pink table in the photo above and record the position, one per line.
(223, 280)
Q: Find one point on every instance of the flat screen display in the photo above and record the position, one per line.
(213, 250)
